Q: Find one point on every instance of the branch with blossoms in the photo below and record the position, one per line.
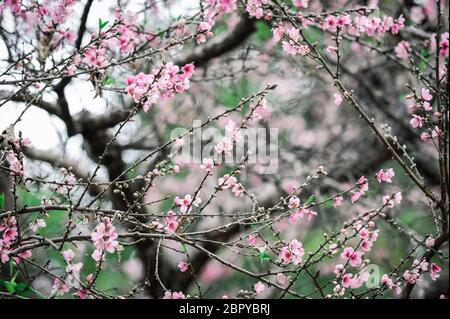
(358, 119)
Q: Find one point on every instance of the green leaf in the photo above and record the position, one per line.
(108, 80)
(13, 280)
(309, 201)
(424, 53)
(102, 24)
(10, 286)
(11, 267)
(2, 201)
(264, 256)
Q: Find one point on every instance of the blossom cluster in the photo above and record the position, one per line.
(354, 256)
(187, 202)
(104, 238)
(299, 212)
(8, 235)
(292, 253)
(363, 25)
(162, 82)
(174, 295)
(231, 182)
(255, 8)
(413, 275)
(421, 106)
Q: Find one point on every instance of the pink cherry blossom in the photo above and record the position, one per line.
(252, 239)
(430, 241)
(416, 121)
(426, 96)
(255, 8)
(293, 252)
(444, 45)
(390, 201)
(385, 176)
(260, 287)
(337, 99)
(435, 271)
(402, 50)
(68, 255)
(60, 287)
(281, 278)
(424, 136)
(183, 266)
(294, 202)
(174, 295)
(337, 201)
(352, 256)
(204, 30)
(300, 3)
(37, 224)
(161, 83)
(331, 49)
(104, 239)
(186, 204)
(207, 164)
(171, 222)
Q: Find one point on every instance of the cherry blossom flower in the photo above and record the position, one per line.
(444, 45)
(104, 238)
(255, 9)
(227, 181)
(388, 282)
(430, 242)
(366, 245)
(426, 96)
(207, 164)
(68, 255)
(337, 99)
(390, 202)
(224, 146)
(424, 136)
(402, 50)
(352, 256)
(260, 287)
(294, 202)
(337, 201)
(331, 49)
(94, 57)
(416, 121)
(171, 222)
(68, 183)
(385, 176)
(281, 278)
(333, 248)
(293, 252)
(363, 186)
(162, 82)
(38, 223)
(60, 287)
(413, 275)
(174, 295)
(15, 164)
(183, 266)
(300, 3)
(435, 271)
(187, 202)
(252, 239)
(204, 30)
